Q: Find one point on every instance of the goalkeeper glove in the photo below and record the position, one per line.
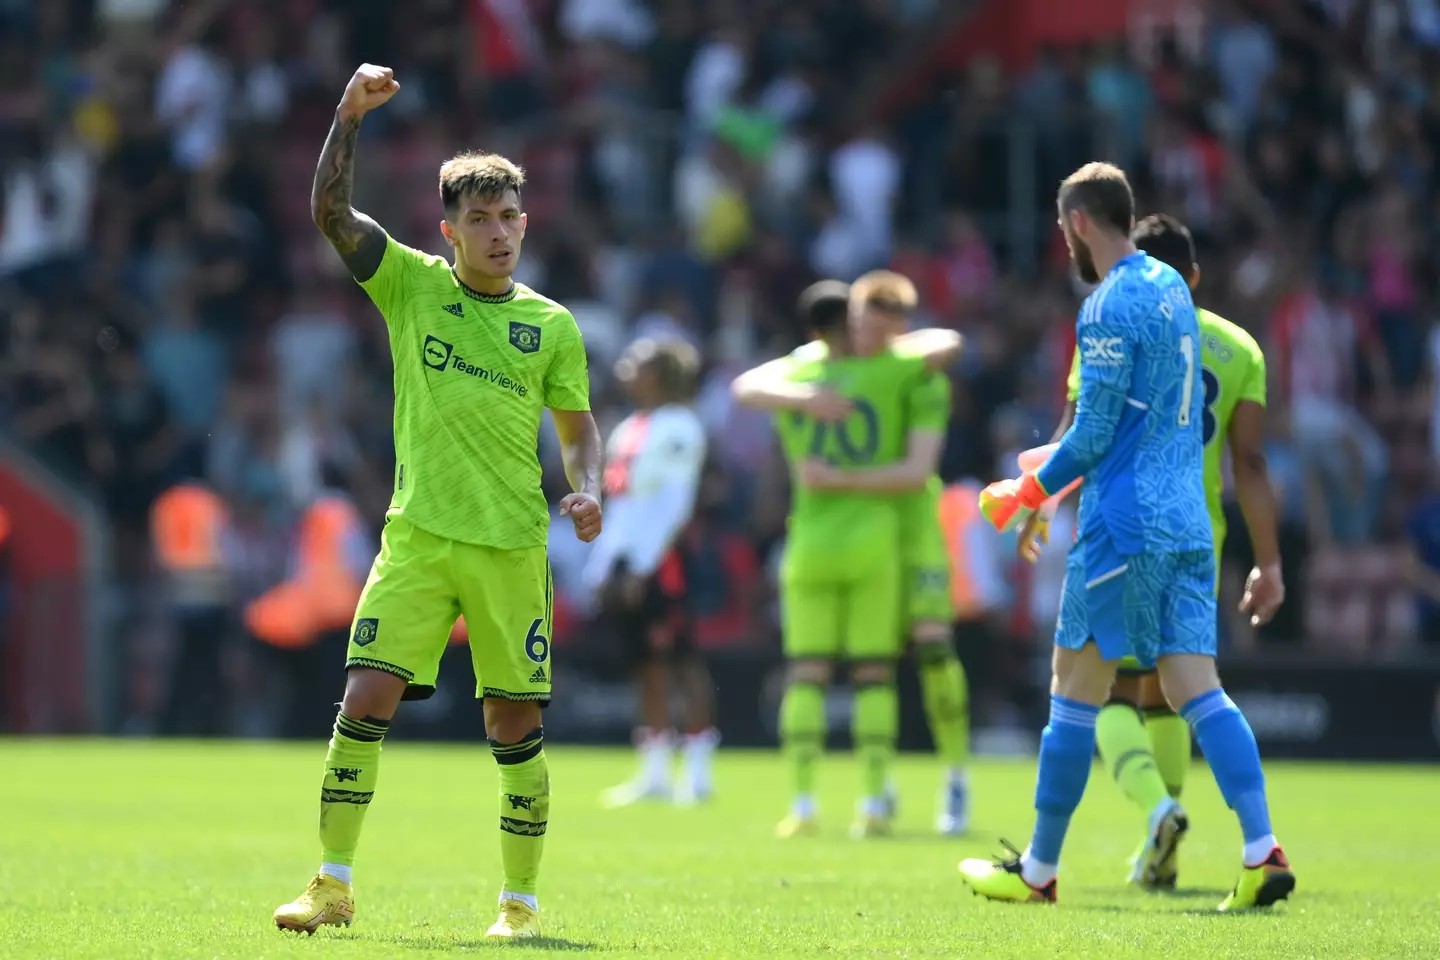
(1007, 504)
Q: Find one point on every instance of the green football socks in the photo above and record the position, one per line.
(1125, 749)
(351, 769)
(802, 732)
(947, 701)
(874, 726)
(524, 809)
(1170, 743)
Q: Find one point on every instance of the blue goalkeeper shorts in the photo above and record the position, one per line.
(1147, 605)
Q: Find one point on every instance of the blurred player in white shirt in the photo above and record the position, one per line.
(653, 460)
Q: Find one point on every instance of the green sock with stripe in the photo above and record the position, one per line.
(874, 727)
(1170, 742)
(947, 701)
(351, 769)
(1125, 749)
(524, 809)
(802, 733)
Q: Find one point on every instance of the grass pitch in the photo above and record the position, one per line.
(122, 849)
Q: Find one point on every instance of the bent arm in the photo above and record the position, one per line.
(359, 240)
(1107, 365)
(938, 347)
(767, 387)
(579, 449)
(922, 459)
(1252, 481)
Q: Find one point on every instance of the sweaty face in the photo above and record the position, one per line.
(1080, 253)
(487, 234)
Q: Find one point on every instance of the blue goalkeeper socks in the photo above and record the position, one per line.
(1066, 750)
(1229, 745)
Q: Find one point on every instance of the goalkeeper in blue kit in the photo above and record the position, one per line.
(1140, 578)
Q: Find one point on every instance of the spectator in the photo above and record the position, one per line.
(1320, 339)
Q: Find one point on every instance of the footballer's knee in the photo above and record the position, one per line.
(1083, 675)
(872, 673)
(371, 693)
(816, 672)
(931, 633)
(510, 721)
(1185, 676)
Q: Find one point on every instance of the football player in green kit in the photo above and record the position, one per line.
(478, 358)
(847, 405)
(1145, 745)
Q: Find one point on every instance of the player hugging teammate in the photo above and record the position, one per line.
(654, 459)
(861, 414)
(477, 358)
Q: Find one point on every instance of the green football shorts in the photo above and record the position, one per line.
(420, 584)
(852, 619)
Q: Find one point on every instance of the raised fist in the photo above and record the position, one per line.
(369, 88)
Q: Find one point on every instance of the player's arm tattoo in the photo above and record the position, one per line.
(359, 240)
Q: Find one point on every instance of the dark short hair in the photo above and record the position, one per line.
(484, 176)
(1167, 240)
(825, 306)
(1102, 191)
(676, 365)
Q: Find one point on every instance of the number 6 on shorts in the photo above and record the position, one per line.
(537, 646)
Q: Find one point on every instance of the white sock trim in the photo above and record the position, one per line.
(339, 871)
(1256, 851)
(1034, 872)
(529, 899)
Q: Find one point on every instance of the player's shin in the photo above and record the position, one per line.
(1229, 745)
(524, 812)
(1125, 751)
(352, 767)
(1066, 749)
(1170, 743)
(874, 726)
(802, 739)
(947, 701)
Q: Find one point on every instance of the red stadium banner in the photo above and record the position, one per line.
(50, 678)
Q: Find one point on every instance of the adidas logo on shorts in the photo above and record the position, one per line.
(538, 676)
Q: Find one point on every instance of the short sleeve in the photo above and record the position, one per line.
(1253, 389)
(398, 278)
(1072, 382)
(928, 403)
(567, 382)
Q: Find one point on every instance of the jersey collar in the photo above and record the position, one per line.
(473, 294)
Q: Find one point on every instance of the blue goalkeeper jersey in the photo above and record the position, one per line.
(1137, 435)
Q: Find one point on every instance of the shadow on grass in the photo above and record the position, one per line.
(440, 942)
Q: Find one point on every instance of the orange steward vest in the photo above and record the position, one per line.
(959, 512)
(322, 593)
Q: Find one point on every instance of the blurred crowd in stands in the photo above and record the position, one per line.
(168, 311)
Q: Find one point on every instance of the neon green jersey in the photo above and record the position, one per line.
(921, 536)
(832, 533)
(1233, 367)
(472, 373)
